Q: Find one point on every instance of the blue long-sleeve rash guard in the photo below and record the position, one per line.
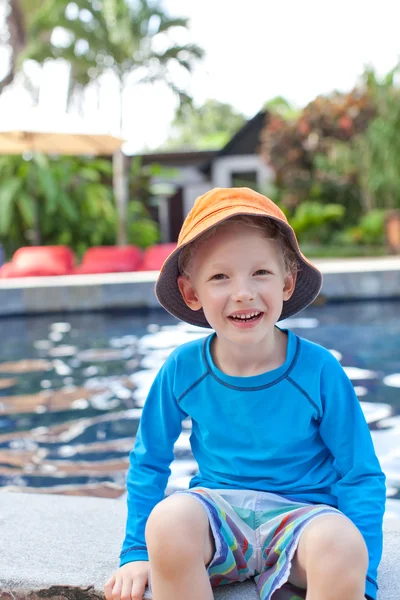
(297, 431)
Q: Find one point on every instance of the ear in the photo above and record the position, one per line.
(290, 284)
(188, 292)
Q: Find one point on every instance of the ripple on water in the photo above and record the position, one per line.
(376, 411)
(299, 323)
(88, 373)
(100, 355)
(163, 339)
(360, 390)
(356, 374)
(46, 400)
(26, 366)
(55, 336)
(62, 351)
(7, 383)
(61, 327)
(142, 382)
(122, 342)
(61, 368)
(392, 380)
(336, 354)
(42, 345)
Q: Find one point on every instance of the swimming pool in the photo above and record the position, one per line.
(72, 389)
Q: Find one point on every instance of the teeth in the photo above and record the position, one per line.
(244, 317)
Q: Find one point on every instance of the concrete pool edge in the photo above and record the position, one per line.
(66, 547)
(346, 279)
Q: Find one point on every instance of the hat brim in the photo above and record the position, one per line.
(307, 288)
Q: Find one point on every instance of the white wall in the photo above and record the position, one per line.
(224, 167)
(193, 191)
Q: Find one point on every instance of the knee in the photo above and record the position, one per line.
(338, 548)
(175, 532)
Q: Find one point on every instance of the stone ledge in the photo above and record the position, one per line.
(64, 548)
(346, 279)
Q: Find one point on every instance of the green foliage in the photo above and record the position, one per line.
(205, 127)
(369, 159)
(141, 186)
(376, 153)
(315, 222)
(340, 150)
(67, 200)
(282, 107)
(299, 148)
(290, 146)
(369, 231)
(341, 250)
(142, 230)
(70, 201)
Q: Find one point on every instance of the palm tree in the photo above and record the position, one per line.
(133, 40)
(130, 39)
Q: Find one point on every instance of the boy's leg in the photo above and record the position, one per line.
(180, 545)
(331, 560)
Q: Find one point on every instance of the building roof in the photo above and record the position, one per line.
(245, 141)
(184, 158)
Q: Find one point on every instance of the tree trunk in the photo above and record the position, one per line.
(17, 39)
(120, 182)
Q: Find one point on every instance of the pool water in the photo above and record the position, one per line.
(72, 389)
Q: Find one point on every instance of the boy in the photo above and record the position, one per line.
(289, 489)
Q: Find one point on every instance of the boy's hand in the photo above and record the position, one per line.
(129, 582)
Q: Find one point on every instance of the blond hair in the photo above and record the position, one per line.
(268, 227)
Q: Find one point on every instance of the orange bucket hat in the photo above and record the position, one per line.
(212, 208)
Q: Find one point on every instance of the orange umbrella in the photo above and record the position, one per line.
(37, 131)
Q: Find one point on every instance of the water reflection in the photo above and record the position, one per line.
(71, 392)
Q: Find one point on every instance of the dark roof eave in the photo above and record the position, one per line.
(189, 157)
(259, 117)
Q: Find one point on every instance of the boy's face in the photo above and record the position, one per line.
(238, 273)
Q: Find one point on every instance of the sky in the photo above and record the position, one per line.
(255, 50)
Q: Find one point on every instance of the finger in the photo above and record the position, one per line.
(126, 588)
(116, 591)
(108, 586)
(138, 587)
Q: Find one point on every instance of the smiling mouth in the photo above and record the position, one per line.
(253, 316)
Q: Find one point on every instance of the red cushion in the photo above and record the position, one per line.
(5, 269)
(110, 259)
(154, 256)
(35, 261)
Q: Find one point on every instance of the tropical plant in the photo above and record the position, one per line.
(315, 222)
(74, 197)
(142, 230)
(370, 159)
(370, 230)
(290, 146)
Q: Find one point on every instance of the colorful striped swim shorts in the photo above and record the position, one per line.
(256, 535)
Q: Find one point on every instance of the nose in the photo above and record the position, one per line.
(242, 292)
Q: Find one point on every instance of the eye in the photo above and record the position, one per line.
(261, 272)
(218, 277)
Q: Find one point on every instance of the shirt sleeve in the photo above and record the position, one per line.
(150, 459)
(360, 488)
